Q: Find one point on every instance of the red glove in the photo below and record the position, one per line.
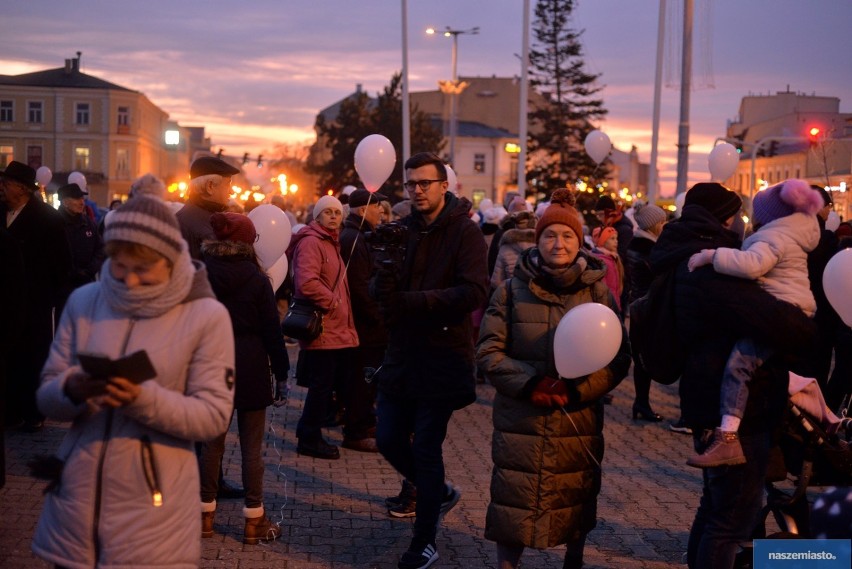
(550, 392)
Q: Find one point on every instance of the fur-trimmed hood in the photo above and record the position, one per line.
(227, 249)
(515, 236)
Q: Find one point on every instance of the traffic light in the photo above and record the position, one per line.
(773, 148)
(245, 158)
(260, 160)
(219, 154)
(814, 134)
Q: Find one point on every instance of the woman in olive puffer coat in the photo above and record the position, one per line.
(548, 431)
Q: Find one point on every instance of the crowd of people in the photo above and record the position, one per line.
(418, 302)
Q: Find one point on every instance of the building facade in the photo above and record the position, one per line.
(793, 135)
(69, 121)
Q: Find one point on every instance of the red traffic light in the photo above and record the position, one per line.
(814, 131)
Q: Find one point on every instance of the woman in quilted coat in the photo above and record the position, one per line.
(548, 431)
(127, 495)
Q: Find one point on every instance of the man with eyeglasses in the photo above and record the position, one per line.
(428, 369)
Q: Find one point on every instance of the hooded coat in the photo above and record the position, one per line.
(546, 477)
(104, 511)
(246, 292)
(512, 243)
(443, 279)
(319, 275)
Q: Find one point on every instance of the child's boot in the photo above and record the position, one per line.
(725, 450)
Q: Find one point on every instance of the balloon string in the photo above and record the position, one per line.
(355, 241)
(580, 438)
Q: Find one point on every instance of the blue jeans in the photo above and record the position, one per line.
(730, 503)
(746, 356)
(419, 459)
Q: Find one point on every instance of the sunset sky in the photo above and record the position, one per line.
(256, 73)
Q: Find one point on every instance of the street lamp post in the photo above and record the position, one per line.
(454, 88)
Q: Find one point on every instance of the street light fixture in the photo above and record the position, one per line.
(453, 88)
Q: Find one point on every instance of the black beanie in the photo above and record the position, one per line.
(715, 198)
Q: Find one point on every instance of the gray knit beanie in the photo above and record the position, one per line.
(648, 216)
(147, 221)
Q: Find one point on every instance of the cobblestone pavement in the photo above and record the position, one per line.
(333, 516)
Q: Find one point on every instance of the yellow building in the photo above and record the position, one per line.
(69, 121)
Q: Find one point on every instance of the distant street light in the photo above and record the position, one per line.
(454, 88)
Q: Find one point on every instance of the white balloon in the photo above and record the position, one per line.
(723, 161)
(833, 221)
(374, 161)
(278, 272)
(485, 205)
(597, 145)
(587, 339)
(679, 199)
(452, 180)
(273, 233)
(298, 227)
(44, 175)
(79, 179)
(836, 281)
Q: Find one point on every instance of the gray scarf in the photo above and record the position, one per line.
(149, 301)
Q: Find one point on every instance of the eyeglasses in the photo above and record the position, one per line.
(410, 185)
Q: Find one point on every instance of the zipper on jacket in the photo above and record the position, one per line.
(149, 467)
(102, 458)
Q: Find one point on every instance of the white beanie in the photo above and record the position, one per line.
(326, 202)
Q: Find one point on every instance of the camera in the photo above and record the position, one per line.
(388, 241)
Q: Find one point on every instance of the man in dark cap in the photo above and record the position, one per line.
(209, 191)
(38, 230)
(359, 396)
(712, 312)
(87, 251)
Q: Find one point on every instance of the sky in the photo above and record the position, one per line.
(256, 73)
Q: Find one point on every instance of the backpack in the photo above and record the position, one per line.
(656, 344)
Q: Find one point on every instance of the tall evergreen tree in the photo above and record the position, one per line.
(359, 117)
(557, 158)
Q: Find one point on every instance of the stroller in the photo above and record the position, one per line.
(812, 448)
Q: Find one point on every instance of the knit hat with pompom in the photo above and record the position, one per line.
(786, 198)
(561, 210)
(229, 226)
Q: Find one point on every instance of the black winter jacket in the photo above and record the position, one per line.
(713, 312)
(444, 278)
(638, 267)
(246, 292)
(369, 322)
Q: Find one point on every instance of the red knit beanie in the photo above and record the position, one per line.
(560, 210)
(600, 235)
(230, 226)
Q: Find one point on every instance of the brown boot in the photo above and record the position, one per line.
(725, 450)
(208, 512)
(258, 527)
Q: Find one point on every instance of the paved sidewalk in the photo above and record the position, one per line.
(333, 516)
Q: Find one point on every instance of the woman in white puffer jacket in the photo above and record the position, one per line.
(127, 494)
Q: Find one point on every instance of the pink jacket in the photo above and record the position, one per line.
(315, 258)
(614, 277)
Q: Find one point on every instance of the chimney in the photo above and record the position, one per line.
(77, 61)
(67, 67)
(358, 87)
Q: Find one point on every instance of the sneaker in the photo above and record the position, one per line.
(418, 556)
(680, 427)
(408, 492)
(405, 509)
(451, 498)
(725, 450)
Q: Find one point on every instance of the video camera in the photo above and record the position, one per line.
(389, 242)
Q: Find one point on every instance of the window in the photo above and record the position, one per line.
(122, 164)
(7, 154)
(34, 157)
(477, 197)
(7, 111)
(81, 157)
(123, 116)
(513, 168)
(34, 112)
(82, 113)
(479, 163)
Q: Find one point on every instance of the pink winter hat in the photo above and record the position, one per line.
(788, 197)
